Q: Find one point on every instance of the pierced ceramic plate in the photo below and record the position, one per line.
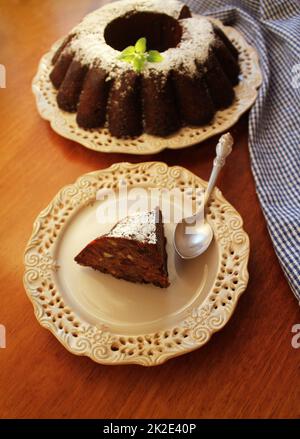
(100, 139)
(116, 322)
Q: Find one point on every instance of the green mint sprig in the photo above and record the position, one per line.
(137, 55)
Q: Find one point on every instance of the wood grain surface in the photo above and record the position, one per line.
(249, 369)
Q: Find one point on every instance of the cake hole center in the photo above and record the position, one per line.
(161, 31)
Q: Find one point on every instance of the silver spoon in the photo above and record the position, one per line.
(190, 245)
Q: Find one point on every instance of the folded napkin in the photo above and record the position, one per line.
(273, 27)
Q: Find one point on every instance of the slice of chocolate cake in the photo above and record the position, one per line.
(133, 250)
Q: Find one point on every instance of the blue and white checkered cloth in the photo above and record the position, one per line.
(273, 27)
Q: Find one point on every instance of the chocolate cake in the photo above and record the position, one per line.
(133, 250)
(194, 79)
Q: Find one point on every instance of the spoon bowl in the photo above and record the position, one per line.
(191, 245)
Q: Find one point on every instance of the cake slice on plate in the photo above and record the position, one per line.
(133, 250)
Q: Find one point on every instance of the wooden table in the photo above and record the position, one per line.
(249, 369)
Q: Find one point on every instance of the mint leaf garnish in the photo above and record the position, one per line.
(130, 50)
(154, 56)
(127, 58)
(137, 55)
(140, 45)
(138, 64)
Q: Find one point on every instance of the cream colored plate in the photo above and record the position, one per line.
(101, 140)
(116, 322)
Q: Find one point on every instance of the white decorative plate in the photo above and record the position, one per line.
(100, 139)
(116, 322)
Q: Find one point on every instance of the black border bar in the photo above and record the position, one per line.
(149, 428)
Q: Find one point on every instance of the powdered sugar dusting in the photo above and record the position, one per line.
(197, 37)
(90, 47)
(140, 227)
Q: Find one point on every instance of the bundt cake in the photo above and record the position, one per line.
(133, 250)
(195, 77)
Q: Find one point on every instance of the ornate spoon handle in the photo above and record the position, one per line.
(223, 149)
